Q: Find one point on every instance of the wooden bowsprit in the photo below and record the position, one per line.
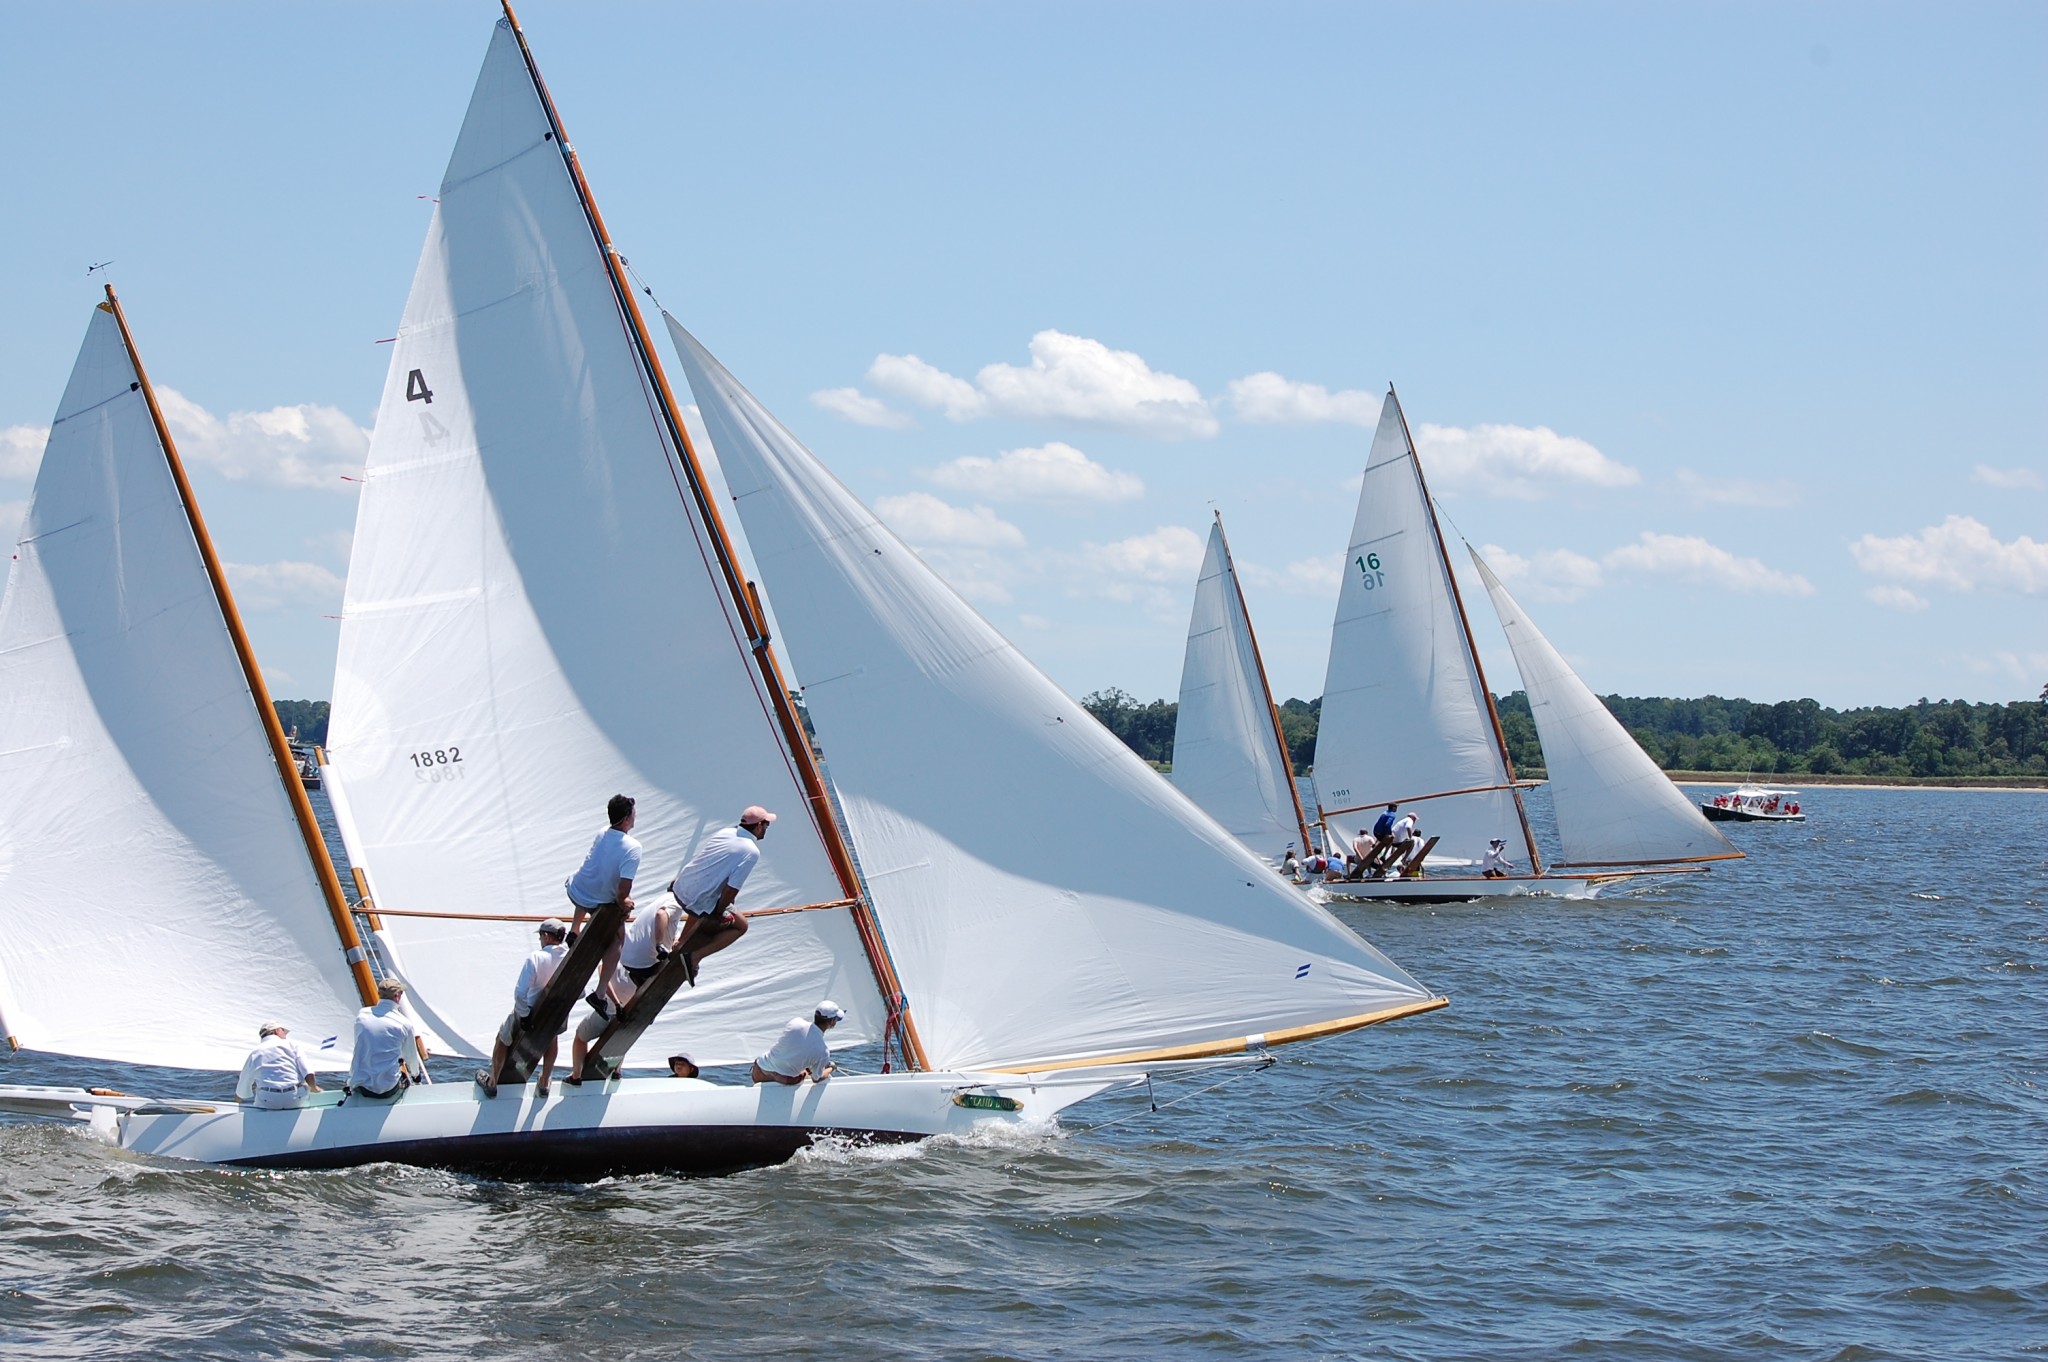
(609, 1050)
(550, 1012)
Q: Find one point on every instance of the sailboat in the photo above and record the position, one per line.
(1229, 753)
(1408, 719)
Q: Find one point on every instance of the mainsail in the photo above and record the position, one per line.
(157, 897)
(1228, 752)
(1613, 805)
(1048, 899)
(539, 615)
(1406, 715)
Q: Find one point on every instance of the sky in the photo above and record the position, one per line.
(1722, 328)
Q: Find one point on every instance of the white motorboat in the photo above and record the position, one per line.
(1408, 719)
(1752, 803)
(543, 607)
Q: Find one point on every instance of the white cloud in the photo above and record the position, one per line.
(1034, 621)
(1515, 461)
(1272, 399)
(2009, 479)
(1961, 554)
(1737, 491)
(274, 586)
(307, 445)
(12, 513)
(851, 404)
(922, 518)
(1895, 598)
(980, 575)
(1052, 472)
(1692, 559)
(1070, 378)
(21, 450)
(1318, 576)
(1547, 575)
(1171, 553)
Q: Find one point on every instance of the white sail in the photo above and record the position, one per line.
(535, 621)
(157, 902)
(1046, 896)
(1226, 754)
(1405, 715)
(1613, 805)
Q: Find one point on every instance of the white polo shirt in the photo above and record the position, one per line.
(276, 1065)
(727, 857)
(386, 1041)
(540, 967)
(614, 856)
(800, 1046)
(638, 952)
(1404, 827)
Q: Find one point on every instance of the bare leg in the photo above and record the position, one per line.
(547, 1066)
(723, 933)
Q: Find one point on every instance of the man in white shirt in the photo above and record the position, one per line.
(1496, 865)
(276, 1075)
(606, 876)
(534, 973)
(1407, 841)
(387, 1048)
(800, 1051)
(709, 882)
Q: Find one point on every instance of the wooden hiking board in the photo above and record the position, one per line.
(550, 1012)
(620, 1035)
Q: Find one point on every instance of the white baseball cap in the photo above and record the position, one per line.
(830, 1010)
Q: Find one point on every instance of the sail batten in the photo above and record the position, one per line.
(1048, 894)
(1613, 805)
(1228, 752)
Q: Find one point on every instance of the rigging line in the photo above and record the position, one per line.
(1266, 1063)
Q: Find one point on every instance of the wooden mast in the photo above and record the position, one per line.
(1265, 687)
(743, 598)
(1500, 737)
(280, 750)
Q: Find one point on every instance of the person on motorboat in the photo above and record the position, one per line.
(800, 1051)
(709, 882)
(275, 1076)
(534, 973)
(387, 1046)
(605, 878)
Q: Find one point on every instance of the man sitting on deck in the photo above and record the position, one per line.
(800, 1051)
(387, 1048)
(606, 876)
(275, 1076)
(709, 882)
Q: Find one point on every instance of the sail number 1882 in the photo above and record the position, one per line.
(1369, 571)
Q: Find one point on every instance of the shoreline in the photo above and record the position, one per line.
(1792, 780)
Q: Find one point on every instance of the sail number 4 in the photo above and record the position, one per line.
(436, 765)
(1369, 571)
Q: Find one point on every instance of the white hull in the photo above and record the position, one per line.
(635, 1125)
(1465, 888)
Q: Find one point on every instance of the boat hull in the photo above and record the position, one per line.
(1728, 815)
(1466, 888)
(629, 1126)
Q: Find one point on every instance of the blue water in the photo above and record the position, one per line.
(1796, 1108)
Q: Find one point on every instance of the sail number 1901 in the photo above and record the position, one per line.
(1369, 571)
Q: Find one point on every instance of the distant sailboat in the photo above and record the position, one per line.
(1229, 753)
(1408, 719)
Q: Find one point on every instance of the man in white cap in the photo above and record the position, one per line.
(800, 1051)
(276, 1075)
(709, 882)
(534, 973)
(387, 1048)
(1496, 865)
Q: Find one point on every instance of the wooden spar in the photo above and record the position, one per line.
(748, 913)
(1234, 1046)
(1421, 799)
(1436, 534)
(798, 744)
(1668, 860)
(280, 750)
(1265, 686)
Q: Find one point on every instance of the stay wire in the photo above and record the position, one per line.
(1156, 1105)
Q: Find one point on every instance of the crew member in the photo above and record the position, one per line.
(276, 1075)
(606, 877)
(1496, 865)
(534, 973)
(387, 1046)
(800, 1051)
(709, 882)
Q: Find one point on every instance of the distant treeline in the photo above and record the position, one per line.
(308, 716)
(1927, 738)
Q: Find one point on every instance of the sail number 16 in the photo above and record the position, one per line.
(1369, 571)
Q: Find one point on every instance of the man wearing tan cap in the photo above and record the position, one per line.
(709, 882)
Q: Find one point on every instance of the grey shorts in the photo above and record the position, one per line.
(511, 1026)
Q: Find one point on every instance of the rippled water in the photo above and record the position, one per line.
(1795, 1108)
